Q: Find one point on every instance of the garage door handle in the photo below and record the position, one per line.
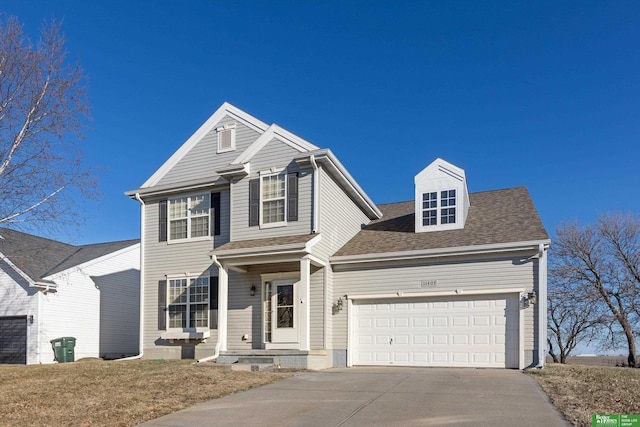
(391, 341)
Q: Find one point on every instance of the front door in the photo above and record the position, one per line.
(282, 313)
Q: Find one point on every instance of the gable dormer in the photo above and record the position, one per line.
(441, 198)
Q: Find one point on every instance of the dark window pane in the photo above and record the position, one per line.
(285, 317)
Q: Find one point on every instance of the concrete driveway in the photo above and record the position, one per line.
(381, 397)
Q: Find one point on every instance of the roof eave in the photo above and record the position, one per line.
(493, 248)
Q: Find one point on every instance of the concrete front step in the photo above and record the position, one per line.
(254, 367)
(255, 360)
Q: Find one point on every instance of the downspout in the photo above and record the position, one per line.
(141, 333)
(542, 305)
(316, 195)
(39, 326)
(216, 352)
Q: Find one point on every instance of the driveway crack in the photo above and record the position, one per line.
(370, 401)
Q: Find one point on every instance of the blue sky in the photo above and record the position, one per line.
(538, 94)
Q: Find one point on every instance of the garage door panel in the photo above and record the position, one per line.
(13, 340)
(460, 331)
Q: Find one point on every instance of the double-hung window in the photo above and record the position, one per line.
(442, 201)
(273, 198)
(189, 216)
(188, 303)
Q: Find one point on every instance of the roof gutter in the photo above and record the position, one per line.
(439, 252)
(141, 332)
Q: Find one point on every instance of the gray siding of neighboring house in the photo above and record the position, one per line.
(340, 218)
(274, 154)
(202, 160)
(162, 258)
(465, 273)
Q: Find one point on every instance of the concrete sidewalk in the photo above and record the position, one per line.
(381, 397)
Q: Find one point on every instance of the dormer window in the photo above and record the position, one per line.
(448, 210)
(226, 138)
(442, 201)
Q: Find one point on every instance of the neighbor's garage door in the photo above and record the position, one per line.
(13, 340)
(473, 331)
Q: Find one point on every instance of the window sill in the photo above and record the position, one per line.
(189, 240)
(274, 225)
(180, 334)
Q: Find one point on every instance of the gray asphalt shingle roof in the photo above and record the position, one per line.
(39, 257)
(500, 216)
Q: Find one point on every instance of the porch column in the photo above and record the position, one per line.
(223, 302)
(305, 306)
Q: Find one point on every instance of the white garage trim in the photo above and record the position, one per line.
(389, 297)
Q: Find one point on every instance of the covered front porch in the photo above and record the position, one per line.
(272, 303)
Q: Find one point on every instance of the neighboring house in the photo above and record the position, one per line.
(50, 289)
(257, 243)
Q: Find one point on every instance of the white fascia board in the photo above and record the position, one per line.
(211, 123)
(326, 157)
(443, 293)
(181, 186)
(440, 252)
(274, 131)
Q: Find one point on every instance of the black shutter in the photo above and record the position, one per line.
(215, 214)
(213, 302)
(162, 305)
(292, 197)
(254, 202)
(162, 221)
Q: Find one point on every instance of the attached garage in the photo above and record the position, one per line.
(456, 331)
(13, 340)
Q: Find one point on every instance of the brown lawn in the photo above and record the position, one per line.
(580, 391)
(113, 393)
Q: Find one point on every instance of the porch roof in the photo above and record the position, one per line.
(266, 246)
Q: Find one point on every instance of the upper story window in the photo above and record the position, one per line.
(443, 200)
(189, 216)
(188, 303)
(273, 198)
(226, 138)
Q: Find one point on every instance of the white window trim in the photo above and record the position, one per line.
(265, 174)
(439, 226)
(188, 238)
(220, 130)
(187, 304)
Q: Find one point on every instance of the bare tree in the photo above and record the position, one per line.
(42, 110)
(574, 318)
(602, 261)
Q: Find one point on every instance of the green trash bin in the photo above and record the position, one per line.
(64, 349)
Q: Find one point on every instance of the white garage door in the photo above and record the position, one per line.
(472, 331)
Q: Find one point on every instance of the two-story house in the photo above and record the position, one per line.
(257, 243)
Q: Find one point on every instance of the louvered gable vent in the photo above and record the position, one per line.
(226, 138)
